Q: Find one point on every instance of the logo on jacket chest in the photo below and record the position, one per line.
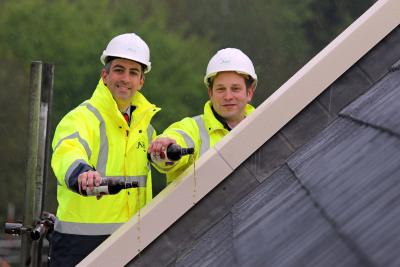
(141, 145)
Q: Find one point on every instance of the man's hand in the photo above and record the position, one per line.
(159, 146)
(89, 180)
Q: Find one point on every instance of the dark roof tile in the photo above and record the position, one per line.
(380, 106)
(214, 248)
(344, 90)
(354, 179)
(290, 231)
(269, 157)
(220, 200)
(307, 124)
(261, 196)
(375, 63)
(163, 248)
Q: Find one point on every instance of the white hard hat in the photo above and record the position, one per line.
(129, 46)
(229, 59)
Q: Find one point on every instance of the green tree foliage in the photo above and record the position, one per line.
(72, 35)
(270, 32)
(329, 18)
(13, 133)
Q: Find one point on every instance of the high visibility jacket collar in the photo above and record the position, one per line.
(212, 123)
(103, 100)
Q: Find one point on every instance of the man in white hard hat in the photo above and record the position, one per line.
(106, 136)
(231, 81)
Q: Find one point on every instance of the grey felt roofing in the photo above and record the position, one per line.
(324, 191)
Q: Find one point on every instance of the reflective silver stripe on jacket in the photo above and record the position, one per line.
(150, 131)
(205, 138)
(85, 228)
(103, 152)
(80, 140)
(141, 180)
(187, 138)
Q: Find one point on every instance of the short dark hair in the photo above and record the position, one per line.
(248, 80)
(108, 60)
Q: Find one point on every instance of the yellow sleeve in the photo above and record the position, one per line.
(186, 134)
(72, 144)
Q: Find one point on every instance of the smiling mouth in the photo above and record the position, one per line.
(123, 87)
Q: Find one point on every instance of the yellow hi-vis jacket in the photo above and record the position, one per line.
(95, 134)
(200, 132)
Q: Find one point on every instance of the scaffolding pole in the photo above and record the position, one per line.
(40, 99)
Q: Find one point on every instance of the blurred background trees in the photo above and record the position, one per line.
(279, 36)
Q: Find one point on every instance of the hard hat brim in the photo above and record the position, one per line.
(103, 59)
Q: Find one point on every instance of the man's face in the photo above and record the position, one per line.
(123, 80)
(229, 96)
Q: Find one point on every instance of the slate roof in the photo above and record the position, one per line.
(324, 191)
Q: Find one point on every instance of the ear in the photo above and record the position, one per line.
(104, 75)
(250, 92)
(210, 92)
(141, 82)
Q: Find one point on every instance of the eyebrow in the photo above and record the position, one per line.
(231, 85)
(120, 66)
